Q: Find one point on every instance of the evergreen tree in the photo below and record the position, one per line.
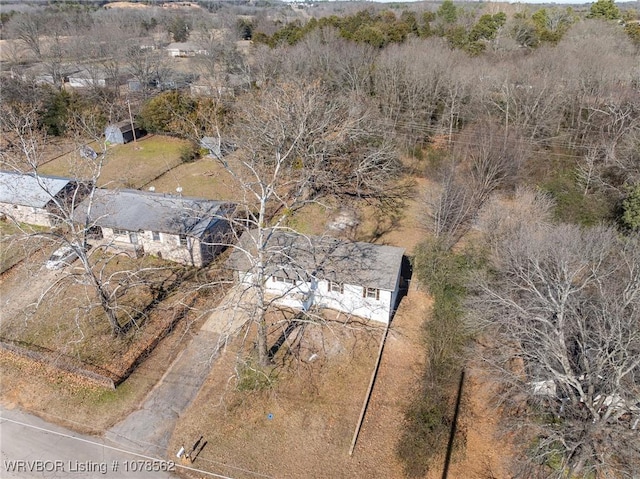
(605, 9)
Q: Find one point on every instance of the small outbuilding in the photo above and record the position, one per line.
(85, 78)
(216, 147)
(123, 132)
(185, 49)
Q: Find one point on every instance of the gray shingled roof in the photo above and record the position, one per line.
(124, 126)
(134, 210)
(29, 190)
(321, 257)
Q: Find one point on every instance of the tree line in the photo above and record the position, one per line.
(528, 126)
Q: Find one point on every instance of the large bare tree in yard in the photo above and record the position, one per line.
(562, 306)
(19, 123)
(298, 144)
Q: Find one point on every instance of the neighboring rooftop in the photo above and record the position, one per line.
(185, 46)
(124, 126)
(303, 257)
(134, 210)
(30, 190)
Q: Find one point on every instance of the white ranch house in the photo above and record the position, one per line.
(185, 49)
(181, 229)
(36, 199)
(360, 279)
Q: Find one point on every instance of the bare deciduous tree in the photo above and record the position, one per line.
(29, 28)
(20, 123)
(563, 309)
(485, 158)
(297, 144)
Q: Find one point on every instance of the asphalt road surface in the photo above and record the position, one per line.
(34, 448)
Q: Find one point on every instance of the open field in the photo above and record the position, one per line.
(133, 165)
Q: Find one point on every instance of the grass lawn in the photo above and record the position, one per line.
(69, 320)
(204, 178)
(133, 165)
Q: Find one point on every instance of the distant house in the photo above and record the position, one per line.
(228, 86)
(185, 49)
(43, 75)
(361, 279)
(123, 132)
(185, 230)
(181, 5)
(85, 79)
(36, 200)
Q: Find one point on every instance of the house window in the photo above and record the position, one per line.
(282, 279)
(155, 235)
(336, 287)
(183, 240)
(372, 293)
(119, 232)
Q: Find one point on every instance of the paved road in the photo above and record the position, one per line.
(33, 448)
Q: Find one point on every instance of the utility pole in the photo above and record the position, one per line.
(133, 128)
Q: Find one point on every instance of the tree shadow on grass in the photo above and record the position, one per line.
(159, 293)
(291, 327)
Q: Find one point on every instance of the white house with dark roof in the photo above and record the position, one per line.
(36, 199)
(181, 229)
(360, 279)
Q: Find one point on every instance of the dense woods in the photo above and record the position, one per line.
(525, 121)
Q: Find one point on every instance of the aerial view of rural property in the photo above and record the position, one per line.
(268, 239)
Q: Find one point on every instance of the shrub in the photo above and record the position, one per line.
(189, 153)
(251, 377)
(429, 416)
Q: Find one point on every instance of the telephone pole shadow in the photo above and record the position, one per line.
(454, 425)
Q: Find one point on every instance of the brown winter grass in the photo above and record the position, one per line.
(133, 165)
(314, 402)
(68, 320)
(289, 429)
(203, 178)
(67, 399)
(14, 245)
(64, 399)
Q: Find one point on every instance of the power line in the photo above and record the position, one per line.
(125, 451)
(458, 137)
